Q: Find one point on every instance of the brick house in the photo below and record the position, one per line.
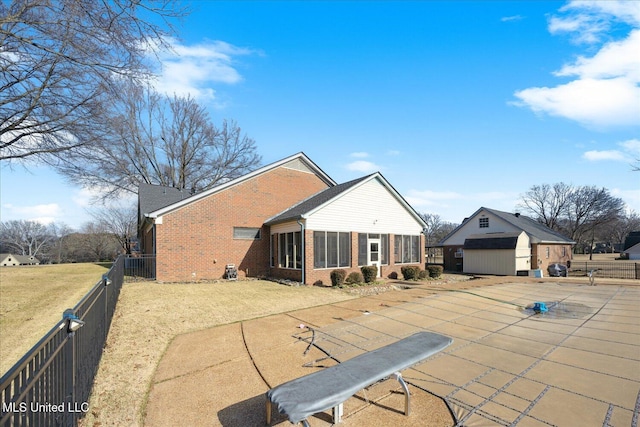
(495, 242)
(288, 219)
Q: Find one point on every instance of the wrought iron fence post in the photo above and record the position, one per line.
(71, 368)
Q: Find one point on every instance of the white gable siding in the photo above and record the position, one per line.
(496, 225)
(368, 208)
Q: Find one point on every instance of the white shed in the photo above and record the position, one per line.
(497, 253)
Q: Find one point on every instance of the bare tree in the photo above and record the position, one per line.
(615, 232)
(161, 140)
(436, 228)
(591, 208)
(58, 60)
(24, 237)
(57, 252)
(98, 244)
(120, 222)
(548, 203)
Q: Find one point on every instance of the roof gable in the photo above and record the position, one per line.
(319, 200)
(537, 232)
(297, 161)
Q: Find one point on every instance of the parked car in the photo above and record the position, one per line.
(557, 270)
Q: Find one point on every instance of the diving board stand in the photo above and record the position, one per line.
(331, 387)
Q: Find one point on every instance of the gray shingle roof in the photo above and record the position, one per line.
(492, 241)
(538, 233)
(318, 199)
(153, 197)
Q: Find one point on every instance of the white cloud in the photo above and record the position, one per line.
(606, 86)
(44, 213)
(629, 151)
(511, 18)
(595, 155)
(632, 146)
(191, 70)
(363, 166)
(592, 102)
(393, 153)
(359, 154)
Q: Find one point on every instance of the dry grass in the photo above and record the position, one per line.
(32, 300)
(149, 315)
(599, 257)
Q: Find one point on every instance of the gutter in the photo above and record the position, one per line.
(303, 258)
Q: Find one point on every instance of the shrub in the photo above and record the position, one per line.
(354, 277)
(410, 272)
(337, 277)
(393, 275)
(369, 272)
(435, 271)
(423, 274)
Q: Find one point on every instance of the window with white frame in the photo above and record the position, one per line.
(331, 249)
(483, 222)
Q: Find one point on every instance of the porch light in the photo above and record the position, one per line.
(106, 280)
(73, 322)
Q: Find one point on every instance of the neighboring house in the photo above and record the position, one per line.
(633, 252)
(503, 243)
(10, 260)
(632, 245)
(287, 220)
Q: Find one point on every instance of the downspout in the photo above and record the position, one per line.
(303, 258)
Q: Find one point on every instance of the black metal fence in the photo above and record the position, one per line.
(140, 267)
(50, 385)
(613, 269)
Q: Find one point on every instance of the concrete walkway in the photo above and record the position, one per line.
(579, 364)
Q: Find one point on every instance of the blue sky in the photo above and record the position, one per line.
(459, 104)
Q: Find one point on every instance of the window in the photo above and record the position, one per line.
(564, 251)
(362, 248)
(546, 251)
(407, 249)
(249, 233)
(484, 222)
(331, 249)
(290, 250)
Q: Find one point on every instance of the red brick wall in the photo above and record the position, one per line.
(539, 257)
(196, 241)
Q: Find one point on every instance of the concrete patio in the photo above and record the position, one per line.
(578, 364)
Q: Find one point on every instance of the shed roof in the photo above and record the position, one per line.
(492, 241)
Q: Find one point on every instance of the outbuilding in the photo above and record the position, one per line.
(502, 243)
